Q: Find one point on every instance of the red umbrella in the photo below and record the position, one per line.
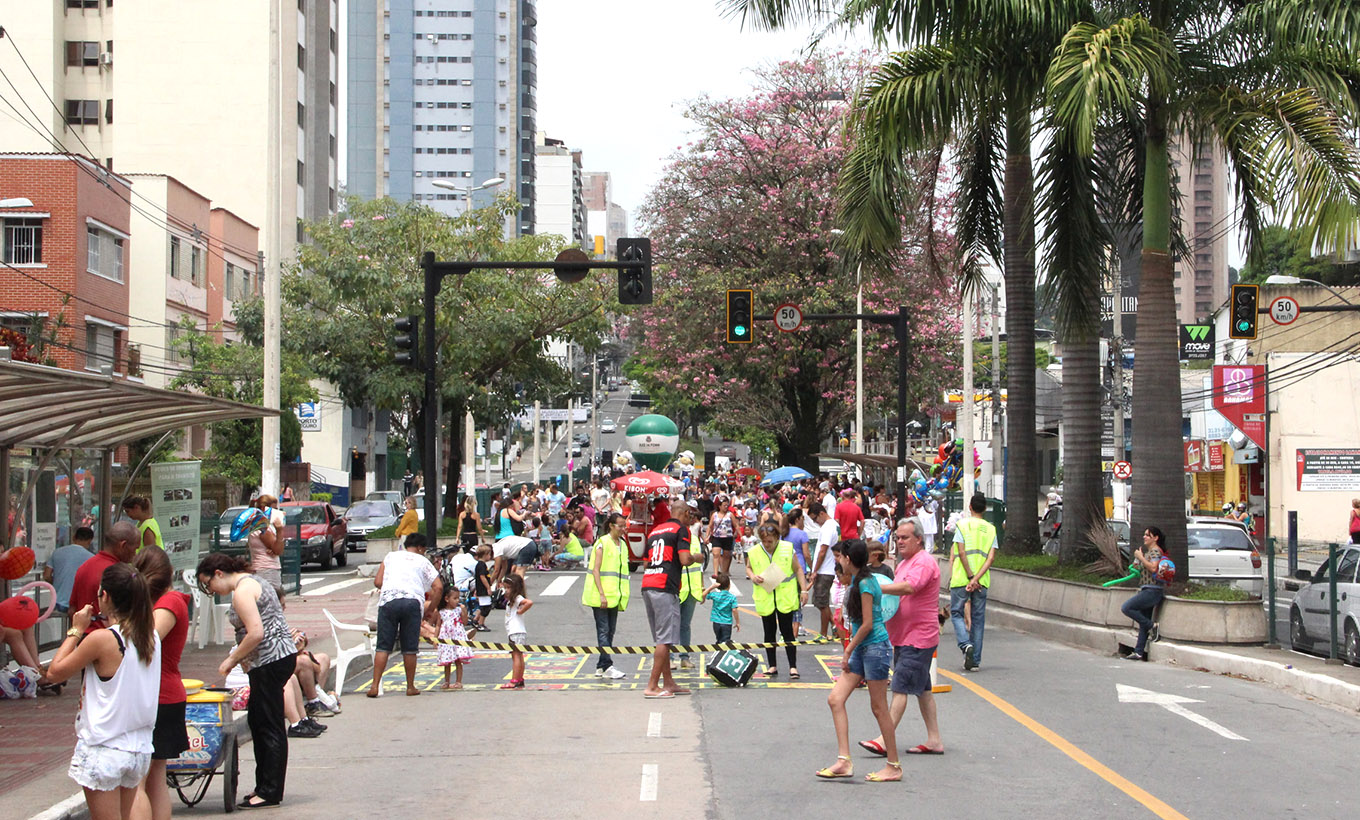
(751, 471)
(646, 481)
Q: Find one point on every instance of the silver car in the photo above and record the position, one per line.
(364, 517)
(1310, 614)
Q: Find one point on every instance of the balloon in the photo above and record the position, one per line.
(250, 520)
(21, 611)
(652, 440)
(16, 563)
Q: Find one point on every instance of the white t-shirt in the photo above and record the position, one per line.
(506, 548)
(406, 575)
(464, 566)
(514, 621)
(599, 499)
(829, 502)
(828, 537)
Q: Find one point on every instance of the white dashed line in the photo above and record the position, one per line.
(560, 585)
(654, 725)
(650, 777)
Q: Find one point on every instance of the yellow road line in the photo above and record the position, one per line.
(1107, 774)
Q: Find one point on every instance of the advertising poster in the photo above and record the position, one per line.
(175, 490)
(1328, 470)
(1240, 395)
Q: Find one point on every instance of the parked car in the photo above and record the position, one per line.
(1310, 613)
(581, 438)
(224, 523)
(365, 517)
(576, 448)
(386, 495)
(1223, 552)
(323, 532)
(608, 426)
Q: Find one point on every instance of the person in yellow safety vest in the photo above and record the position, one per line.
(974, 549)
(691, 586)
(138, 508)
(776, 608)
(606, 590)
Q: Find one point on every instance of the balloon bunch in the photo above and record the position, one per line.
(947, 470)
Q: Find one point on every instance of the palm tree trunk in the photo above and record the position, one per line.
(1083, 491)
(1022, 460)
(1158, 491)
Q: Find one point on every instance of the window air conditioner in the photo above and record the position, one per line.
(106, 58)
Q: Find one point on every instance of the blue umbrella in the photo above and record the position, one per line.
(783, 475)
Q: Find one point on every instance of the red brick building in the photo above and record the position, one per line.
(63, 281)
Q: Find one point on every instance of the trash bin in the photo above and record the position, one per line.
(996, 514)
(484, 498)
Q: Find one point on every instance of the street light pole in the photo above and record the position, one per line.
(1285, 279)
(467, 189)
(859, 362)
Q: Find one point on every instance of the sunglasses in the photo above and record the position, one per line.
(203, 585)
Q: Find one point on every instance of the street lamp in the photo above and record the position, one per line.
(858, 440)
(1285, 279)
(467, 190)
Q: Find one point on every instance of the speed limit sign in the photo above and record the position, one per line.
(788, 318)
(1284, 310)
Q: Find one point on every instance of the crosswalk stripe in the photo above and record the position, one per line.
(560, 585)
(734, 589)
(336, 587)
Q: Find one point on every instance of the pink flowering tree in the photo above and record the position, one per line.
(750, 203)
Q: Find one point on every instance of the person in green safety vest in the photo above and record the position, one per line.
(138, 508)
(691, 584)
(606, 590)
(974, 549)
(776, 607)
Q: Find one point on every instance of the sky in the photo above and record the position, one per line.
(615, 77)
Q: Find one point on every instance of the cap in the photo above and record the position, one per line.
(692, 504)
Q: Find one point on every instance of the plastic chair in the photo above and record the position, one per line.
(343, 656)
(208, 615)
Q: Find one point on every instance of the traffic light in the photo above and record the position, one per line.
(635, 283)
(407, 341)
(1244, 305)
(739, 317)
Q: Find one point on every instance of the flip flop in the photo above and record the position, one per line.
(873, 747)
(794, 676)
(659, 696)
(680, 691)
(922, 749)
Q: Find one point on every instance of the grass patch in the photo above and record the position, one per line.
(1048, 567)
(1214, 592)
(447, 528)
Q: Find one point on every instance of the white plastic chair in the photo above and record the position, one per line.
(343, 656)
(208, 616)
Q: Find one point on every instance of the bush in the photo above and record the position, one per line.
(324, 497)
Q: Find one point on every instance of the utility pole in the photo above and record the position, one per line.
(538, 422)
(571, 416)
(273, 294)
(469, 454)
(998, 488)
(859, 362)
(1118, 487)
(965, 420)
(594, 411)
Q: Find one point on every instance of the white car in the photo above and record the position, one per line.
(1310, 614)
(608, 426)
(1223, 552)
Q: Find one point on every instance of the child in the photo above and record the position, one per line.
(452, 617)
(724, 616)
(877, 555)
(481, 582)
(515, 607)
(838, 588)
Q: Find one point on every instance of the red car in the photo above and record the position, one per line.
(323, 532)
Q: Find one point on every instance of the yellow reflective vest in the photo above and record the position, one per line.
(613, 576)
(785, 596)
(978, 537)
(692, 576)
(150, 524)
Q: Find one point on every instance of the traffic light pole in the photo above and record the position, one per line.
(901, 325)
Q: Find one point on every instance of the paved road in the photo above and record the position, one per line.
(1041, 728)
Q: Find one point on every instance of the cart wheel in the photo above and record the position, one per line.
(230, 774)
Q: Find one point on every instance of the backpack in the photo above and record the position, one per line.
(1166, 570)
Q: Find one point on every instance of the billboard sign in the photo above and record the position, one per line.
(1240, 395)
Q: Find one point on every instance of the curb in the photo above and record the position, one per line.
(1320, 687)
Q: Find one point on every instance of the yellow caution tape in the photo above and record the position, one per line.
(553, 649)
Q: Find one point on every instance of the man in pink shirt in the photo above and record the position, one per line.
(848, 515)
(914, 633)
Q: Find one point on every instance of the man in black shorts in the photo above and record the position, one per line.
(667, 553)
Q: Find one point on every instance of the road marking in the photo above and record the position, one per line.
(560, 585)
(336, 587)
(1174, 705)
(1065, 746)
(650, 778)
(654, 725)
(734, 589)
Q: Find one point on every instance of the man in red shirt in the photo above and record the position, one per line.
(120, 545)
(914, 633)
(667, 553)
(849, 515)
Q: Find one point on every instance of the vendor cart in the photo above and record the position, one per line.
(213, 750)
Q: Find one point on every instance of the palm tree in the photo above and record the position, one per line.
(974, 76)
(1275, 83)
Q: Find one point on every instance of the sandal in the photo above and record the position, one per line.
(828, 774)
(793, 674)
(873, 747)
(513, 684)
(874, 777)
(262, 804)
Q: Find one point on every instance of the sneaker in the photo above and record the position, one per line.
(315, 723)
(1155, 634)
(1135, 656)
(599, 673)
(969, 662)
(686, 663)
(331, 700)
(615, 674)
(315, 708)
(303, 729)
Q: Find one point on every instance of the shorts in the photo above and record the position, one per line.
(520, 638)
(911, 670)
(399, 617)
(821, 591)
(526, 555)
(103, 769)
(170, 738)
(721, 543)
(663, 613)
(871, 661)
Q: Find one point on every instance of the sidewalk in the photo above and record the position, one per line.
(37, 736)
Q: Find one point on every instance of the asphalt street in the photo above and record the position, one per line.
(1041, 727)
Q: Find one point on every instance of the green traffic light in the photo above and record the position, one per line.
(1244, 326)
(739, 330)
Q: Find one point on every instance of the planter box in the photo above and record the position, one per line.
(378, 548)
(1212, 622)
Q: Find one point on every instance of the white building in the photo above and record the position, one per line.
(561, 206)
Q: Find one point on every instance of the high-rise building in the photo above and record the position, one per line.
(1208, 222)
(442, 90)
(189, 83)
(561, 207)
(604, 217)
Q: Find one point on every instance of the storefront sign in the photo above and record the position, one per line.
(176, 490)
(1328, 470)
(1215, 456)
(1240, 395)
(309, 416)
(1194, 456)
(1197, 343)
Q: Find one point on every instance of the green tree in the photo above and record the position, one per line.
(1283, 253)
(1274, 83)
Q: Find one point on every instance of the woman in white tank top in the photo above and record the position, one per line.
(122, 672)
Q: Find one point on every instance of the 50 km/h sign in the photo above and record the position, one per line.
(788, 318)
(1284, 310)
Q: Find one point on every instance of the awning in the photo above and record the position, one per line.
(50, 407)
(874, 460)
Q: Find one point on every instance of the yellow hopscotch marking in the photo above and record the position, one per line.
(1153, 804)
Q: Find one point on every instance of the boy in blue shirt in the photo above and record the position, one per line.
(724, 615)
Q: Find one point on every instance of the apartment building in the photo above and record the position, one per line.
(1208, 222)
(183, 89)
(442, 91)
(561, 207)
(64, 278)
(604, 217)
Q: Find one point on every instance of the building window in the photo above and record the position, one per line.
(100, 343)
(108, 111)
(302, 115)
(80, 53)
(23, 241)
(195, 266)
(83, 4)
(302, 58)
(176, 270)
(82, 112)
(173, 333)
(302, 175)
(92, 250)
(118, 259)
(229, 281)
